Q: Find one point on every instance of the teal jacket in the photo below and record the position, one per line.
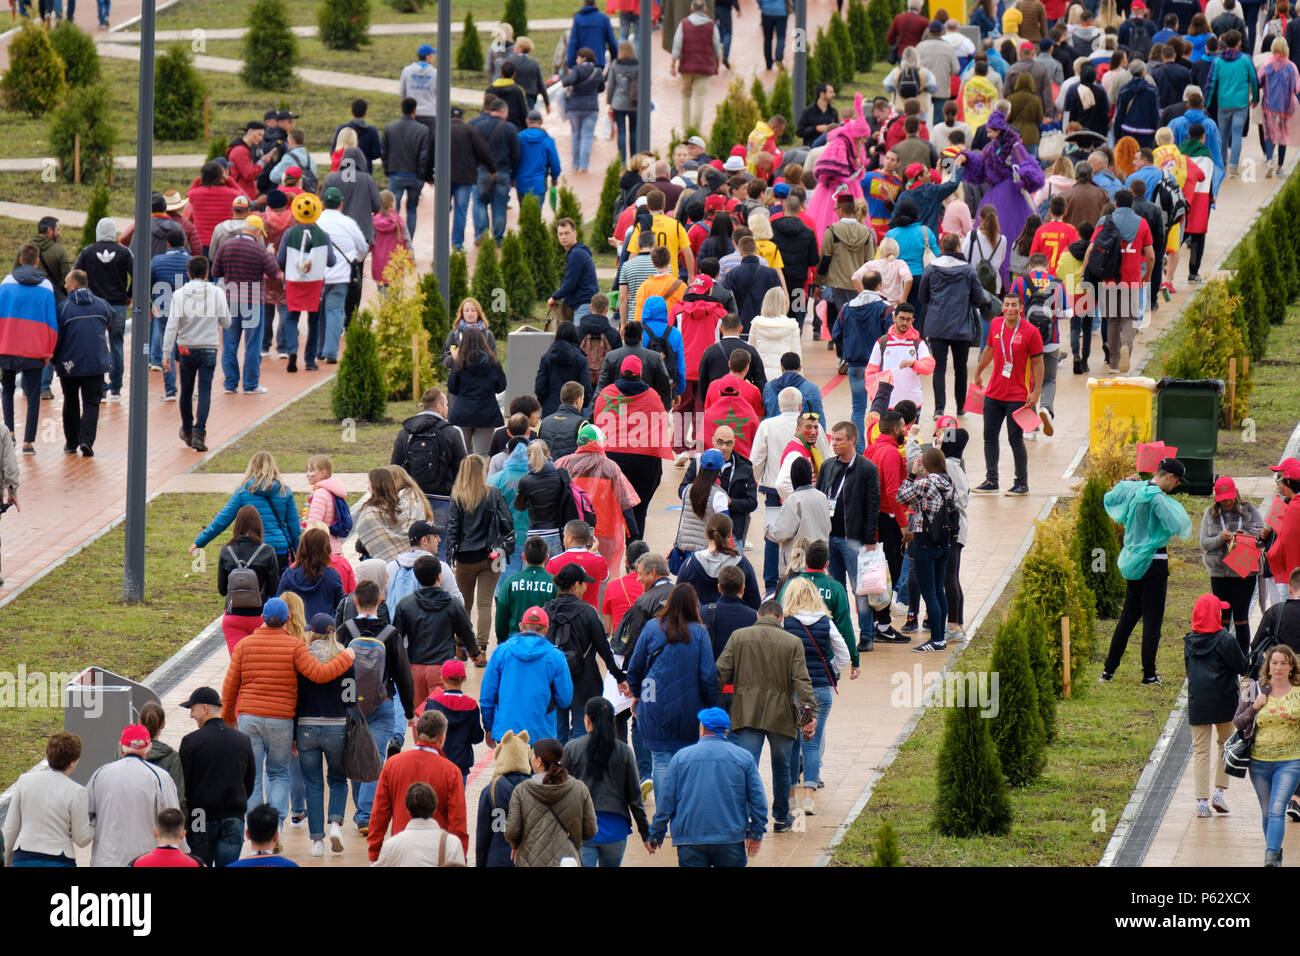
(1150, 519)
(1234, 83)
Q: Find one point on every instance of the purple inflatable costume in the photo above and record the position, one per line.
(1007, 168)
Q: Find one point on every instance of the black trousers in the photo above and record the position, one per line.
(1195, 250)
(995, 413)
(952, 586)
(891, 539)
(1237, 592)
(645, 473)
(960, 356)
(1144, 599)
(81, 395)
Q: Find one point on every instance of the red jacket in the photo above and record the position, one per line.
(243, 170)
(883, 453)
(1284, 554)
(697, 316)
(907, 29)
(210, 205)
(421, 765)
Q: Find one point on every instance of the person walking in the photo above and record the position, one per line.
(475, 381)
(1269, 716)
(123, 800)
(1234, 86)
(82, 359)
(621, 89)
(262, 488)
(311, 577)
(527, 680)
(48, 815)
(1213, 662)
(109, 267)
(608, 768)
(493, 192)
(562, 363)
(576, 628)
(246, 551)
(408, 157)
(552, 814)
(635, 421)
(480, 529)
(712, 798)
(511, 766)
(1284, 542)
(951, 296)
(348, 237)
(584, 82)
(1228, 518)
(591, 30)
(242, 265)
(579, 283)
(28, 336)
(1015, 354)
(933, 525)
(540, 494)
(198, 313)
(696, 53)
(539, 160)
(422, 842)
(218, 764)
(1279, 87)
(419, 81)
(1150, 519)
(774, 17)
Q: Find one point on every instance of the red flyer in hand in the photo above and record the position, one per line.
(1243, 556)
(1275, 512)
(974, 400)
(1026, 418)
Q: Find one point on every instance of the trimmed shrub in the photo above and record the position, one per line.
(216, 149)
(537, 246)
(358, 391)
(469, 55)
(178, 91)
(1096, 550)
(517, 277)
(758, 93)
(1052, 588)
(437, 320)
(1271, 274)
(36, 81)
(1250, 317)
(516, 14)
(270, 49)
(1209, 338)
(457, 285)
(884, 848)
(400, 317)
(782, 104)
(85, 114)
(828, 61)
(569, 207)
(1282, 230)
(77, 50)
(879, 15)
(1037, 634)
(406, 6)
(489, 290)
(744, 111)
(864, 46)
(1018, 726)
(838, 33)
(96, 210)
(973, 796)
(344, 24)
(603, 225)
(723, 134)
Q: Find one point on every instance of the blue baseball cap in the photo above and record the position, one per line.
(781, 190)
(425, 50)
(712, 459)
(715, 720)
(275, 610)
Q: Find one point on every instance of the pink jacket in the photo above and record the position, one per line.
(321, 507)
(390, 234)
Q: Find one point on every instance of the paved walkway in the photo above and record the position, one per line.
(376, 29)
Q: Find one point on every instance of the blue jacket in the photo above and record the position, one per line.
(1150, 175)
(579, 283)
(321, 596)
(860, 325)
(1107, 181)
(490, 846)
(82, 347)
(675, 682)
(772, 8)
(476, 387)
(591, 28)
(1233, 82)
(275, 505)
(524, 678)
(654, 316)
(820, 632)
(712, 793)
(812, 395)
(507, 482)
(538, 158)
(166, 275)
(1179, 126)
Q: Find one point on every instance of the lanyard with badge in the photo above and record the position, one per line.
(834, 496)
(1007, 347)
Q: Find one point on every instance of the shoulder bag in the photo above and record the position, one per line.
(830, 672)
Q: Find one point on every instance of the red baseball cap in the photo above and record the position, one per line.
(453, 669)
(535, 618)
(1225, 489)
(1138, 5)
(136, 737)
(1290, 468)
(631, 364)
(715, 202)
(1026, 45)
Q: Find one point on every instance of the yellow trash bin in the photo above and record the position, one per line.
(1128, 399)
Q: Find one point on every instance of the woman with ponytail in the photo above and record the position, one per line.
(702, 567)
(551, 815)
(608, 768)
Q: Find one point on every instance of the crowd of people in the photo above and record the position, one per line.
(960, 213)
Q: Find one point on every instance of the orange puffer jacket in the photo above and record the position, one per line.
(263, 674)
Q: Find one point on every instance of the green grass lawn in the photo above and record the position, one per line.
(234, 13)
(1104, 737)
(13, 233)
(308, 427)
(1274, 406)
(49, 631)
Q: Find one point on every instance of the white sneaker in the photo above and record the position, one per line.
(1049, 427)
(318, 848)
(1124, 358)
(169, 398)
(260, 390)
(336, 838)
(155, 368)
(1032, 436)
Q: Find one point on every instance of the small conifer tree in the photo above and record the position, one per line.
(516, 14)
(973, 796)
(77, 50)
(36, 81)
(521, 291)
(469, 55)
(178, 92)
(1096, 550)
(487, 287)
(358, 390)
(344, 24)
(270, 47)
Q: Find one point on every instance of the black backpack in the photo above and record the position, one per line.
(1139, 38)
(1171, 200)
(659, 343)
(909, 83)
(629, 629)
(941, 531)
(428, 457)
(1040, 309)
(1107, 254)
(561, 634)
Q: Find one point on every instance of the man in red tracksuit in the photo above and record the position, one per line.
(884, 454)
(244, 169)
(424, 764)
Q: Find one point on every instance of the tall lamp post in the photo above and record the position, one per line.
(442, 156)
(643, 105)
(138, 433)
(800, 84)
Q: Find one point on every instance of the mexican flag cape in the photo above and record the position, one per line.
(308, 250)
(636, 424)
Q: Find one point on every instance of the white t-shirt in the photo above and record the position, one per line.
(907, 383)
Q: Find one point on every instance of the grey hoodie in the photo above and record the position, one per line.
(1245, 518)
(360, 194)
(1127, 222)
(950, 291)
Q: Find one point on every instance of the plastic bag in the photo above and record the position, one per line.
(604, 126)
(873, 577)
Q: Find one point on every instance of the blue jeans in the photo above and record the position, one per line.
(116, 345)
(774, 29)
(904, 575)
(412, 186)
(604, 854)
(336, 294)
(554, 542)
(297, 791)
(1274, 782)
(812, 749)
(712, 854)
(626, 143)
(724, 34)
(780, 748)
(157, 329)
(199, 365)
(568, 721)
(644, 765)
(627, 24)
(493, 193)
(381, 730)
(931, 563)
(858, 398)
(460, 197)
(583, 125)
(1232, 123)
(219, 844)
(514, 564)
(659, 766)
(843, 565)
(250, 327)
(314, 744)
(102, 7)
(272, 739)
(771, 550)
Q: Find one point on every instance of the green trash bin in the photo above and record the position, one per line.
(1187, 417)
